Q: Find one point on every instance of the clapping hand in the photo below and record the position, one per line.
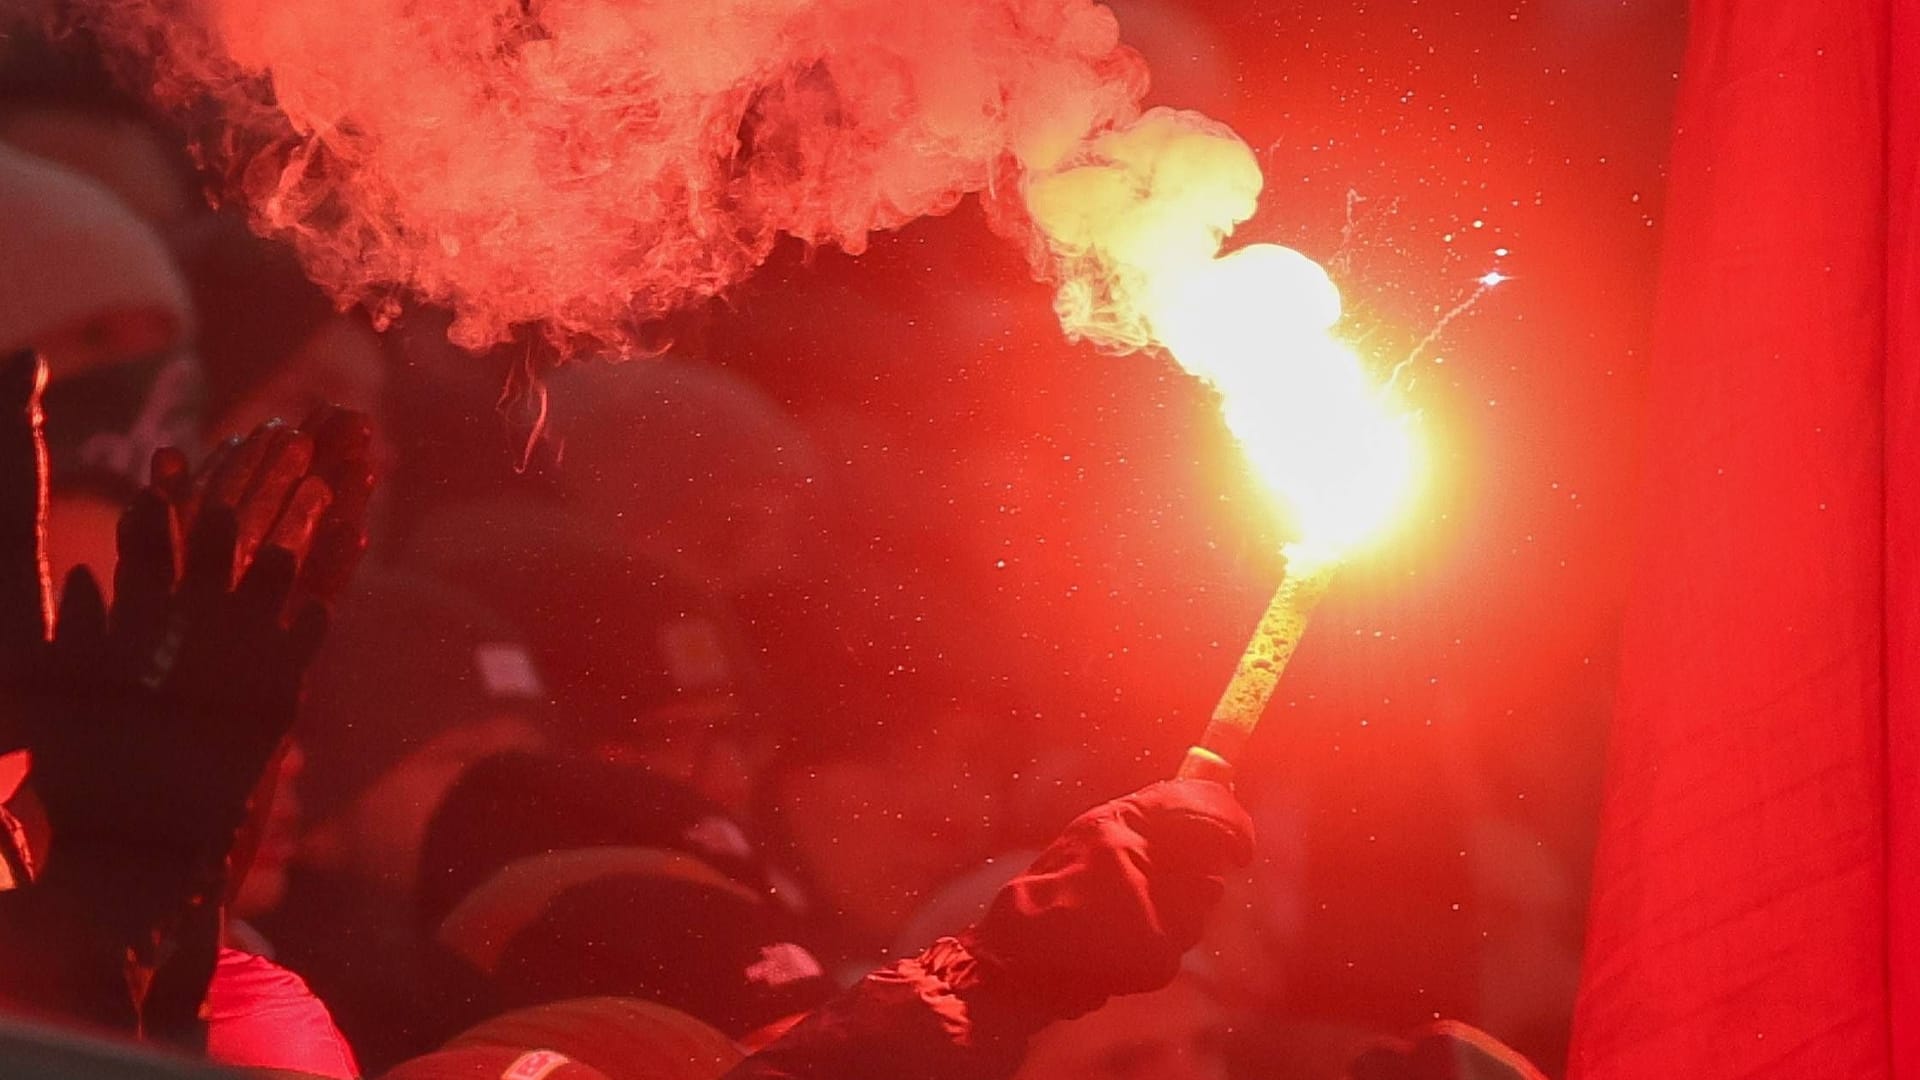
(151, 718)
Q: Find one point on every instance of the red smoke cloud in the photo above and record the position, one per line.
(586, 165)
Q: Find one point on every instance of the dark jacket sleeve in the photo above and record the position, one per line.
(928, 1018)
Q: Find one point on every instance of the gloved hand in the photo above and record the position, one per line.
(1112, 905)
(1108, 909)
(150, 723)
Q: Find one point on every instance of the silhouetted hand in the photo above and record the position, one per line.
(151, 720)
(150, 723)
(1109, 908)
(1112, 905)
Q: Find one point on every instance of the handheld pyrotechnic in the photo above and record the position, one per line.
(1337, 458)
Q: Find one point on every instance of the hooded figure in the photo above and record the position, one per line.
(682, 457)
(518, 804)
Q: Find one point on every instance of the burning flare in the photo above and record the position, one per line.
(1135, 224)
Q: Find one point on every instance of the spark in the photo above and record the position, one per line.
(1486, 283)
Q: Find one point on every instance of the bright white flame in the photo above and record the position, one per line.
(1258, 325)
(1492, 278)
(1134, 223)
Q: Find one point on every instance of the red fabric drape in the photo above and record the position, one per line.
(1752, 908)
(1903, 536)
(1903, 539)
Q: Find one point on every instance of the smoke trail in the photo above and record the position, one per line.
(585, 165)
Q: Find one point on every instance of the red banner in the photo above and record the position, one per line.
(1760, 848)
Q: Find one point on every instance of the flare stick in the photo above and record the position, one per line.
(1247, 694)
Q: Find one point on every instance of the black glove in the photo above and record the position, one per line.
(150, 721)
(1115, 902)
(1108, 909)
